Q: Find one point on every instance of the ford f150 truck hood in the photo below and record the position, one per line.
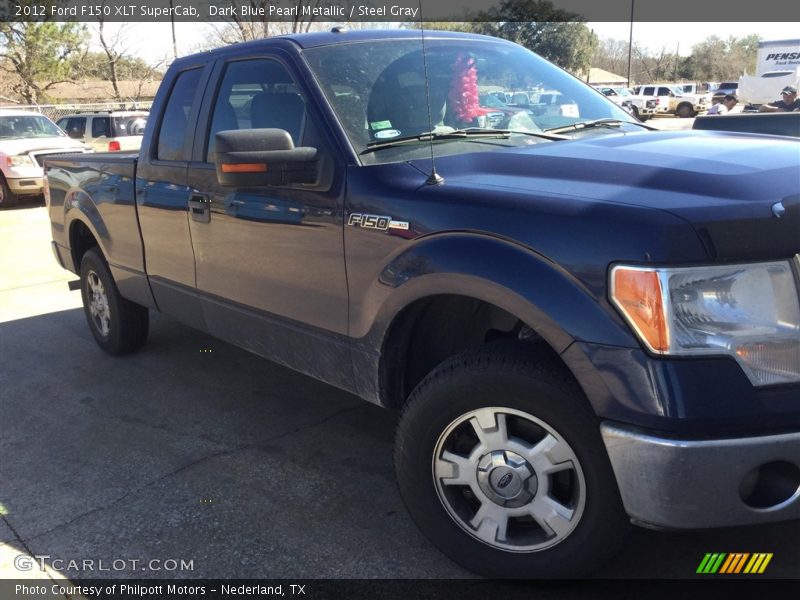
(741, 193)
(14, 147)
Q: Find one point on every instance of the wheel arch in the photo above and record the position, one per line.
(86, 227)
(81, 238)
(469, 293)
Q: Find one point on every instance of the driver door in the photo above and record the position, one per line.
(269, 259)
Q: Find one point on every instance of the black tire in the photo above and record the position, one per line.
(644, 118)
(685, 111)
(7, 197)
(635, 112)
(513, 383)
(118, 325)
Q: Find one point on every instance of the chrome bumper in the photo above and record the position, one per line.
(26, 185)
(698, 484)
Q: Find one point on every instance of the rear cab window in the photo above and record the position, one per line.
(171, 144)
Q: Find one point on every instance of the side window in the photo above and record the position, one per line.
(175, 119)
(256, 94)
(662, 91)
(100, 127)
(75, 127)
(62, 124)
(648, 91)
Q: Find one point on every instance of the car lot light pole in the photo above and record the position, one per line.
(630, 45)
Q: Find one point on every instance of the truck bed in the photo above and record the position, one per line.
(100, 190)
(787, 124)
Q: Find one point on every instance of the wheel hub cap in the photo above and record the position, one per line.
(509, 479)
(98, 303)
(506, 478)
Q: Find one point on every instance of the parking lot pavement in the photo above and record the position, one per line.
(193, 450)
(31, 282)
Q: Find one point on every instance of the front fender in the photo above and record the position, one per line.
(539, 292)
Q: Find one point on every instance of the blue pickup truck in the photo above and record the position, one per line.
(585, 323)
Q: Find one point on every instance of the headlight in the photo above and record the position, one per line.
(22, 160)
(750, 312)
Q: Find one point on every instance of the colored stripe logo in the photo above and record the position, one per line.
(734, 563)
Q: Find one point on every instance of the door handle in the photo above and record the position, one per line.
(200, 207)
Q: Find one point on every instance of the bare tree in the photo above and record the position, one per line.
(113, 45)
(654, 66)
(154, 74)
(612, 56)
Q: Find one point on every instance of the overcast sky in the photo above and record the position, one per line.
(153, 41)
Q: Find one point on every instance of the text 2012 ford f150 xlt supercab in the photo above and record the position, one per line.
(585, 323)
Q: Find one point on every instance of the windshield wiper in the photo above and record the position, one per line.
(457, 134)
(507, 132)
(591, 124)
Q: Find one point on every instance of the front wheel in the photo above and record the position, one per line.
(501, 465)
(7, 197)
(118, 325)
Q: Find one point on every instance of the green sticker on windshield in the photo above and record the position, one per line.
(376, 125)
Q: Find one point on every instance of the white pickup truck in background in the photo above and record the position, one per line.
(25, 139)
(673, 101)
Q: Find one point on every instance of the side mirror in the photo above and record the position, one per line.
(255, 157)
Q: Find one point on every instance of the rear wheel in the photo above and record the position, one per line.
(685, 111)
(501, 465)
(7, 197)
(118, 325)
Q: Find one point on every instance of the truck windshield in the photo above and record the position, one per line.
(379, 92)
(28, 126)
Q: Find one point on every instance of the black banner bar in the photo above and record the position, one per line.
(396, 11)
(387, 589)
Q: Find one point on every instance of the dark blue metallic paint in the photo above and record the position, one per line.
(534, 230)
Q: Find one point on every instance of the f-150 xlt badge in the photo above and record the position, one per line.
(380, 222)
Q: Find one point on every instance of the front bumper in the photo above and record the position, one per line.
(654, 110)
(682, 484)
(25, 186)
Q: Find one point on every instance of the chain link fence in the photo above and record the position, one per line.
(56, 111)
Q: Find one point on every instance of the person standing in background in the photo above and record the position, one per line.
(789, 102)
